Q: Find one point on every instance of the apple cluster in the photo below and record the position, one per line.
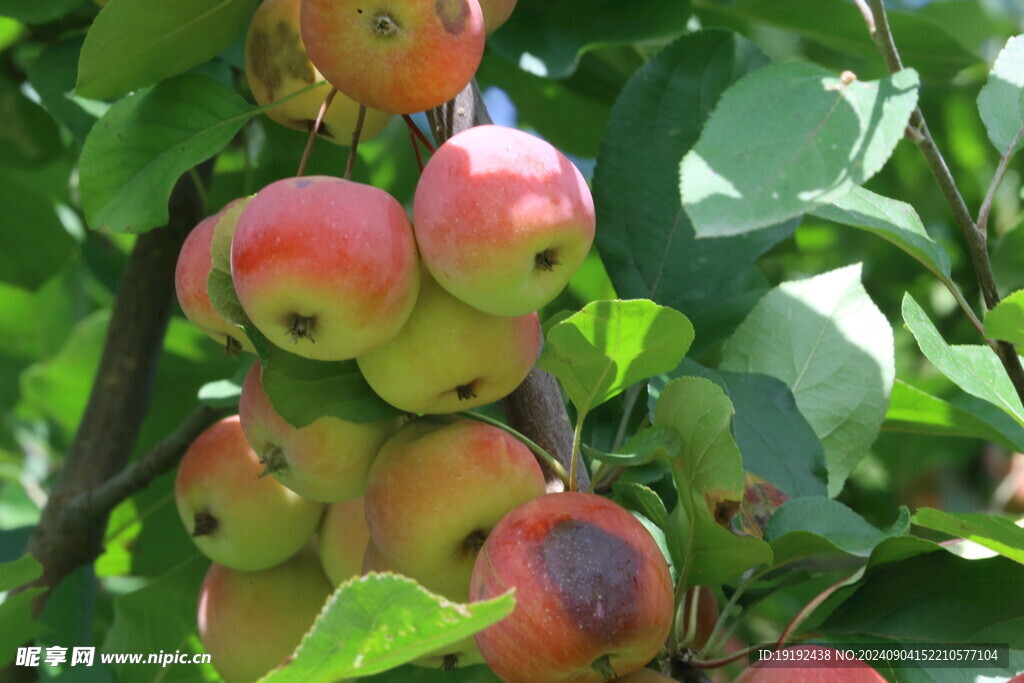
(439, 314)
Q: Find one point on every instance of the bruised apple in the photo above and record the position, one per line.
(594, 598)
(503, 219)
(451, 356)
(276, 65)
(325, 268)
(399, 56)
(435, 491)
(235, 517)
(250, 622)
(327, 460)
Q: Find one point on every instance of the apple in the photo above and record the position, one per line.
(342, 540)
(400, 56)
(237, 518)
(249, 622)
(276, 65)
(503, 220)
(324, 267)
(373, 560)
(594, 598)
(435, 491)
(812, 671)
(327, 460)
(450, 356)
(496, 13)
(707, 615)
(190, 274)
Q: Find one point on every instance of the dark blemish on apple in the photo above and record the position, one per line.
(595, 574)
(277, 53)
(453, 15)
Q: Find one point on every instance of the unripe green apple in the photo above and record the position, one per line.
(324, 267)
(342, 541)
(250, 622)
(450, 356)
(327, 460)
(594, 598)
(400, 56)
(436, 490)
(812, 670)
(237, 518)
(190, 275)
(276, 65)
(496, 13)
(503, 219)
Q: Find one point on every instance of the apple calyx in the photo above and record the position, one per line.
(301, 327)
(474, 541)
(273, 461)
(232, 347)
(205, 524)
(450, 662)
(547, 259)
(384, 25)
(603, 666)
(465, 392)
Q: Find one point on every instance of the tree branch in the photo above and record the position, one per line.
(536, 408)
(120, 395)
(974, 233)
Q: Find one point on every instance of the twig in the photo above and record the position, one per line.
(314, 129)
(159, 459)
(974, 234)
(997, 179)
(809, 608)
(416, 149)
(355, 142)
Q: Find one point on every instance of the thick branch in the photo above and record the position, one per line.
(974, 233)
(120, 395)
(536, 408)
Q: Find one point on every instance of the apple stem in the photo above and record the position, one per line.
(603, 666)
(416, 149)
(273, 461)
(314, 129)
(548, 459)
(232, 347)
(415, 131)
(355, 142)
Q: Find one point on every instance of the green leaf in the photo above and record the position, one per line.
(134, 43)
(52, 75)
(894, 221)
(975, 369)
(19, 572)
(135, 629)
(136, 152)
(29, 137)
(995, 533)
(811, 526)
(936, 597)
(33, 244)
(715, 554)
(646, 240)
(379, 621)
(828, 342)
(1001, 101)
(35, 12)
(646, 445)
(302, 390)
(775, 439)
(838, 26)
(17, 625)
(609, 345)
(1006, 320)
(757, 164)
(634, 496)
(913, 410)
(547, 38)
